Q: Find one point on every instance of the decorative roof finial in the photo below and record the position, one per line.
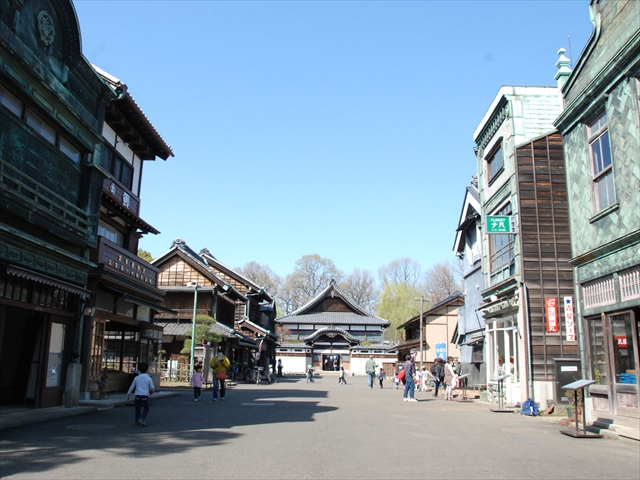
(563, 68)
(178, 242)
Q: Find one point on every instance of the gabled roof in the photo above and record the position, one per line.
(331, 331)
(457, 295)
(213, 262)
(181, 249)
(470, 213)
(307, 314)
(153, 144)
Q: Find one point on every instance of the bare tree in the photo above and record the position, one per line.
(402, 270)
(361, 287)
(440, 282)
(311, 274)
(263, 276)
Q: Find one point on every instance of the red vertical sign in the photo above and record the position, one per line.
(551, 308)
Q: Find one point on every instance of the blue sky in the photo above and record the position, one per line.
(338, 128)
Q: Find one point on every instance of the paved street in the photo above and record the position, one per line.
(298, 430)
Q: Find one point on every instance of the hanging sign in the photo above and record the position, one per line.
(551, 309)
(441, 350)
(621, 341)
(568, 316)
(499, 224)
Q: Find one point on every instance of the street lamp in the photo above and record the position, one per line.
(195, 285)
(421, 300)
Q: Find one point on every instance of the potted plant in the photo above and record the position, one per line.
(574, 409)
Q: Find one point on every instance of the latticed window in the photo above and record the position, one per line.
(630, 284)
(502, 248)
(603, 188)
(599, 293)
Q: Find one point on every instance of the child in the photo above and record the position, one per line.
(310, 374)
(341, 379)
(197, 379)
(143, 387)
(396, 381)
(381, 376)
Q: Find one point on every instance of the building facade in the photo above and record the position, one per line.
(525, 239)
(331, 332)
(600, 126)
(471, 326)
(52, 106)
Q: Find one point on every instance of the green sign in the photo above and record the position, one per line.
(500, 224)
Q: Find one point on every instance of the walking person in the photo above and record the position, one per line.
(219, 364)
(424, 378)
(381, 376)
(438, 375)
(310, 374)
(197, 379)
(279, 367)
(409, 386)
(143, 387)
(370, 368)
(450, 379)
(341, 379)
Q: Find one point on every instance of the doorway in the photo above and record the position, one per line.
(331, 362)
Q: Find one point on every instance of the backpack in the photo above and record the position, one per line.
(530, 408)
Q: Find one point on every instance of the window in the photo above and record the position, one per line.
(35, 122)
(12, 103)
(113, 163)
(495, 163)
(110, 233)
(603, 189)
(502, 248)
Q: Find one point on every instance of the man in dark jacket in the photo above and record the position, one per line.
(437, 369)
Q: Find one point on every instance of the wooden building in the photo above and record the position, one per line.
(52, 107)
(601, 131)
(255, 318)
(180, 270)
(439, 331)
(521, 176)
(119, 330)
(330, 332)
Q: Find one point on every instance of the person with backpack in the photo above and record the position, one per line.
(409, 372)
(437, 371)
(219, 364)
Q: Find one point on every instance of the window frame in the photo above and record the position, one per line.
(493, 173)
(508, 246)
(117, 165)
(597, 130)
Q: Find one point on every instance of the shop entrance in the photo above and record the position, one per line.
(331, 363)
(21, 352)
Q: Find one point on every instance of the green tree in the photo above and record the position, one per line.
(204, 334)
(398, 304)
(143, 254)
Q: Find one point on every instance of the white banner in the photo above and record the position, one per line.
(568, 315)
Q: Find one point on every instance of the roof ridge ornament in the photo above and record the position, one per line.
(562, 64)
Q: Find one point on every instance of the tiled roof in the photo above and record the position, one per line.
(184, 329)
(333, 318)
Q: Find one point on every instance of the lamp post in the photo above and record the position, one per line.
(421, 300)
(193, 326)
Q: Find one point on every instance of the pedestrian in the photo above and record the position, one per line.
(326, 364)
(279, 367)
(417, 378)
(437, 370)
(143, 387)
(370, 368)
(310, 374)
(219, 364)
(341, 379)
(197, 379)
(335, 365)
(424, 378)
(381, 376)
(450, 379)
(396, 380)
(410, 386)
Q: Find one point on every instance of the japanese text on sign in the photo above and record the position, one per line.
(551, 307)
(568, 316)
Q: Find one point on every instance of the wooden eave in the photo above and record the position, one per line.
(116, 208)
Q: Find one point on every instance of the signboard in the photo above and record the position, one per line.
(621, 341)
(441, 350)
(501, 224)
(568, 317)
(551, 309)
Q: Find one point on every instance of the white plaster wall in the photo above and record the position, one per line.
(357, 365)
(293, 364)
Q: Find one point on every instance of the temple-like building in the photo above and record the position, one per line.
(330, 332)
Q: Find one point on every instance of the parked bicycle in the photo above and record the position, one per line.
(259, 374)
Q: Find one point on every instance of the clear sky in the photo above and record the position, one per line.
(331, 127)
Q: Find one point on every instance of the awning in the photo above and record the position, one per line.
(146, 303)
(40, 278)
(473, 339)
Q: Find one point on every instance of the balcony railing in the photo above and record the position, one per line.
(124, 263)
(41, 199)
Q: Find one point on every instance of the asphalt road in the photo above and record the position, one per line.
(297, 430)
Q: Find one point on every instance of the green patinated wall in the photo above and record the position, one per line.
(589, 233)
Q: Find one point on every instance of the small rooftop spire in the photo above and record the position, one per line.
(563, 68)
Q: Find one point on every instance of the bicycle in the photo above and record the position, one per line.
(258, 376)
